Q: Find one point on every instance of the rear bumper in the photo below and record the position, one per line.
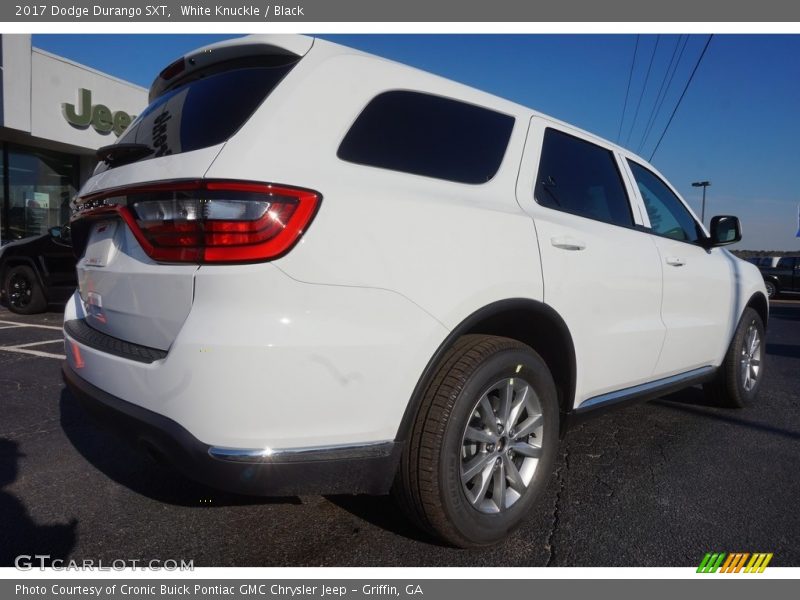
(265, 361)
(356, 469)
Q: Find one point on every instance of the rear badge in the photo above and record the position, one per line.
(94, 306)
(100, 249)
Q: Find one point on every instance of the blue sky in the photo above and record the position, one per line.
(738, 125)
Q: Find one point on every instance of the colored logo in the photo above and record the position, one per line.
(734, 562)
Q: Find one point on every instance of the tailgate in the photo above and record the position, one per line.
(126, 294)
(147, 218)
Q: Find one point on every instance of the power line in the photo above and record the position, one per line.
(666, 91)
(644, 89)
(669, 72)
(697, 64)
(630, 77)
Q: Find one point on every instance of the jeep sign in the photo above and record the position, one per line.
(98, 116)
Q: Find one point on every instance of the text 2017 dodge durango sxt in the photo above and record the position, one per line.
(307, 269)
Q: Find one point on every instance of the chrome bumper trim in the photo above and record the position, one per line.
(307, 454)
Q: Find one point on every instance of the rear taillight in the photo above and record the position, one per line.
(212, 221)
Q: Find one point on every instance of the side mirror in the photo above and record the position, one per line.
(61, 235)
(724, 229)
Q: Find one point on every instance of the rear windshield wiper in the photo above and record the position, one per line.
(120, 154)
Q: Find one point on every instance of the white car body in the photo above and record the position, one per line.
(320, 352)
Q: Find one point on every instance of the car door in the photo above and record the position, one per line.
(59, 260)
(600, 274)
(785, 271)
(698, 307)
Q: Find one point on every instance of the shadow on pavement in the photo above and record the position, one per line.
(693, 401)
(382, 512)
(787, 350)
(693, 396)
(786, 313)
(127, 466)
(19, 534)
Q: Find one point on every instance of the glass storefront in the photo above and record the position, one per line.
(3, 206)
(38, 186)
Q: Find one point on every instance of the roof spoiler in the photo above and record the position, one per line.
(216, 56)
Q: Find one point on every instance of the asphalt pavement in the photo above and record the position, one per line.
(655, 484)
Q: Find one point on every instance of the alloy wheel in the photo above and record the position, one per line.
(501, 445)
(750, 366)
(20, 290)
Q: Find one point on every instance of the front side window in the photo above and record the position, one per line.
(581, 178)
(421, 134)
(668, 216)
(786, 263)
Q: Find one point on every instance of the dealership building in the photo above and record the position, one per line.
(54, 115)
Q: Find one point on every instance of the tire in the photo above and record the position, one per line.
(772, 290)
(742, 371)
(459, 485)
(23, 293)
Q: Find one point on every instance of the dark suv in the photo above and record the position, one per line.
(781, 274)
(37, 271)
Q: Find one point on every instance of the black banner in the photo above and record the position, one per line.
(319, 11)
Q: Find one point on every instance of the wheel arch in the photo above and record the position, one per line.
(759, 303)
(528, 321)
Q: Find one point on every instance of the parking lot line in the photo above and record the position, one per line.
(15, 324)
(25, 349)
(33, 353)
(15, 346)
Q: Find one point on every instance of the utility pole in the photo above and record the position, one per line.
(704, 185)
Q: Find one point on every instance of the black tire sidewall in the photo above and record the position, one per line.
(481, 528)
(771, 286)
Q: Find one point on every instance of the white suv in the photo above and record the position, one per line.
(305, 269)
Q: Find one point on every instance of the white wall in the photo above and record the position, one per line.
(36, 85)
(56, 81)
(16, 86)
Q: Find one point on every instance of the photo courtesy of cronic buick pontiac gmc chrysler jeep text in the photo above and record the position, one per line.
(305, 269)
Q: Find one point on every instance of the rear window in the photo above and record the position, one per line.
(428, 135)
(203, 112)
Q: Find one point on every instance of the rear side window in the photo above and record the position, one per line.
(203, 112)
(668, 216)
(428, 135)
(581, 178)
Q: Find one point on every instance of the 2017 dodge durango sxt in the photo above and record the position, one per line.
(307, 269)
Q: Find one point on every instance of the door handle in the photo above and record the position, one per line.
(568, 243)
(675, 261)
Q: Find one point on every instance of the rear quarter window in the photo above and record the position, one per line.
(428, 135)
